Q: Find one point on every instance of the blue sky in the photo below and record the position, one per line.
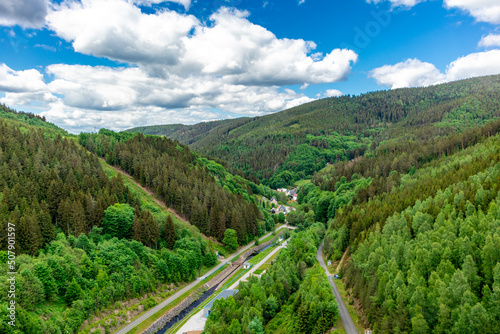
(88, 64)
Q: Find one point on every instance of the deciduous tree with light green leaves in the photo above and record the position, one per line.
(118, 220)
(230, 239)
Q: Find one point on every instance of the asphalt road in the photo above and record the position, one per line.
(344, 314)
(188, 287)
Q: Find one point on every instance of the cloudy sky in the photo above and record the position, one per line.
(88, 64)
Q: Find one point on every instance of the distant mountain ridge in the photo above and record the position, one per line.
(278, 147)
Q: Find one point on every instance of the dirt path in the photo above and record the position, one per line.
(153, 196)
(341, 261)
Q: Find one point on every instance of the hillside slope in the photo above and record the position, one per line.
(198, 188)
(422, 237)
(86, 239)
(429, 260)
(283, 147)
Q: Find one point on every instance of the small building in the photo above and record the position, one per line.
(283, 190)
(224, 294)
(246, 265)
(283, 209)
(274, 201)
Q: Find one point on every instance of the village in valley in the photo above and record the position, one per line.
(290, 196)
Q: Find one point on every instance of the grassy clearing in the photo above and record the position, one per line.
(257, 258)
(332, 268)
(267, 264)
(158, 211)
(204, 270)
(301, 183)
(327, 168)
(339, 327)
(266, 239)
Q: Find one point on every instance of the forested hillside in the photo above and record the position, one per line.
(197, 188)
(51, 185)
(293, 296)
(423, 232)
(284, 147)
(80, 237)
(410, 197)
(25, 121)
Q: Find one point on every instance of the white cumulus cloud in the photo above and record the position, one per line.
(474, 65)
(81, 97)
(249, 54)
(398, 3)
(332, 93)
(118, 30)
(185, 3)
(491, 40)
(410, 73)
(20, 81)
(24, 13)
(415, 73)
(173, 67)
(481, 10)
(169, 43)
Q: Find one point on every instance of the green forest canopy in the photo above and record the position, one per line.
(303, 139)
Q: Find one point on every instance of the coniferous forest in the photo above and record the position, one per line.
(402, 188)
(84, 242)
(291, 145)
(196, 188)
(292, 297)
